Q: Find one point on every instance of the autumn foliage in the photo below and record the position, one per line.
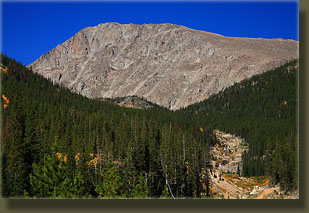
(6, 101)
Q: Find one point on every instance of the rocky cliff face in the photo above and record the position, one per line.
(167, 64)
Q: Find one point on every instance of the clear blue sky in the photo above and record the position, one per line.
(31, 29)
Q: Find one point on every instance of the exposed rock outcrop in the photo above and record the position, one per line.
(132, 102)
(167, 64)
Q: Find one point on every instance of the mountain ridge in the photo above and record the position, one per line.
(167, 64)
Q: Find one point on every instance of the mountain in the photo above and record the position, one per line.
(170, 65)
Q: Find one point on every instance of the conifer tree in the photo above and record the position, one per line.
(111, 183)
(50, 177)
(141, 189)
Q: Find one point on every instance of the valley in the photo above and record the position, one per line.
(140, 149)
(152, 100)
(225, 175)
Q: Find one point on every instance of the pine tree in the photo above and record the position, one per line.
(50, 177)
(141, 189)
(15, 172)
(165, 193)
(111, 183)
(238, 170)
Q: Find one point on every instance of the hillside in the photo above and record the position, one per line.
(226, 172)
(263, 111)
(170, 65)
(56, 143)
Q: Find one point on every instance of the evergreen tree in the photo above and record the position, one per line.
(111, 183)
(141, 189)
(50, 177)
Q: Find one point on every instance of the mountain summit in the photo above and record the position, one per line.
(167, 64)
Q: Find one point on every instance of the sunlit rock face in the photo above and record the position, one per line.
(167, 64)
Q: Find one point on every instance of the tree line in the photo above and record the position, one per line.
(55, 143)
(262, 110)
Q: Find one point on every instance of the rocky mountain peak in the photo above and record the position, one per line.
(167, 64)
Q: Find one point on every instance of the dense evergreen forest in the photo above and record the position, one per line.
(262, 110)
(55, 143)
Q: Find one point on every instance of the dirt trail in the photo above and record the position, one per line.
(226, 167)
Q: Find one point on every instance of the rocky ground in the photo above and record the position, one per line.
(131, 102)
(225, 179)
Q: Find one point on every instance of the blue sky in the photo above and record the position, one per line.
(31, 29)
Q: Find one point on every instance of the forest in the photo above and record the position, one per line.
(263, 111)
(58, 144)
